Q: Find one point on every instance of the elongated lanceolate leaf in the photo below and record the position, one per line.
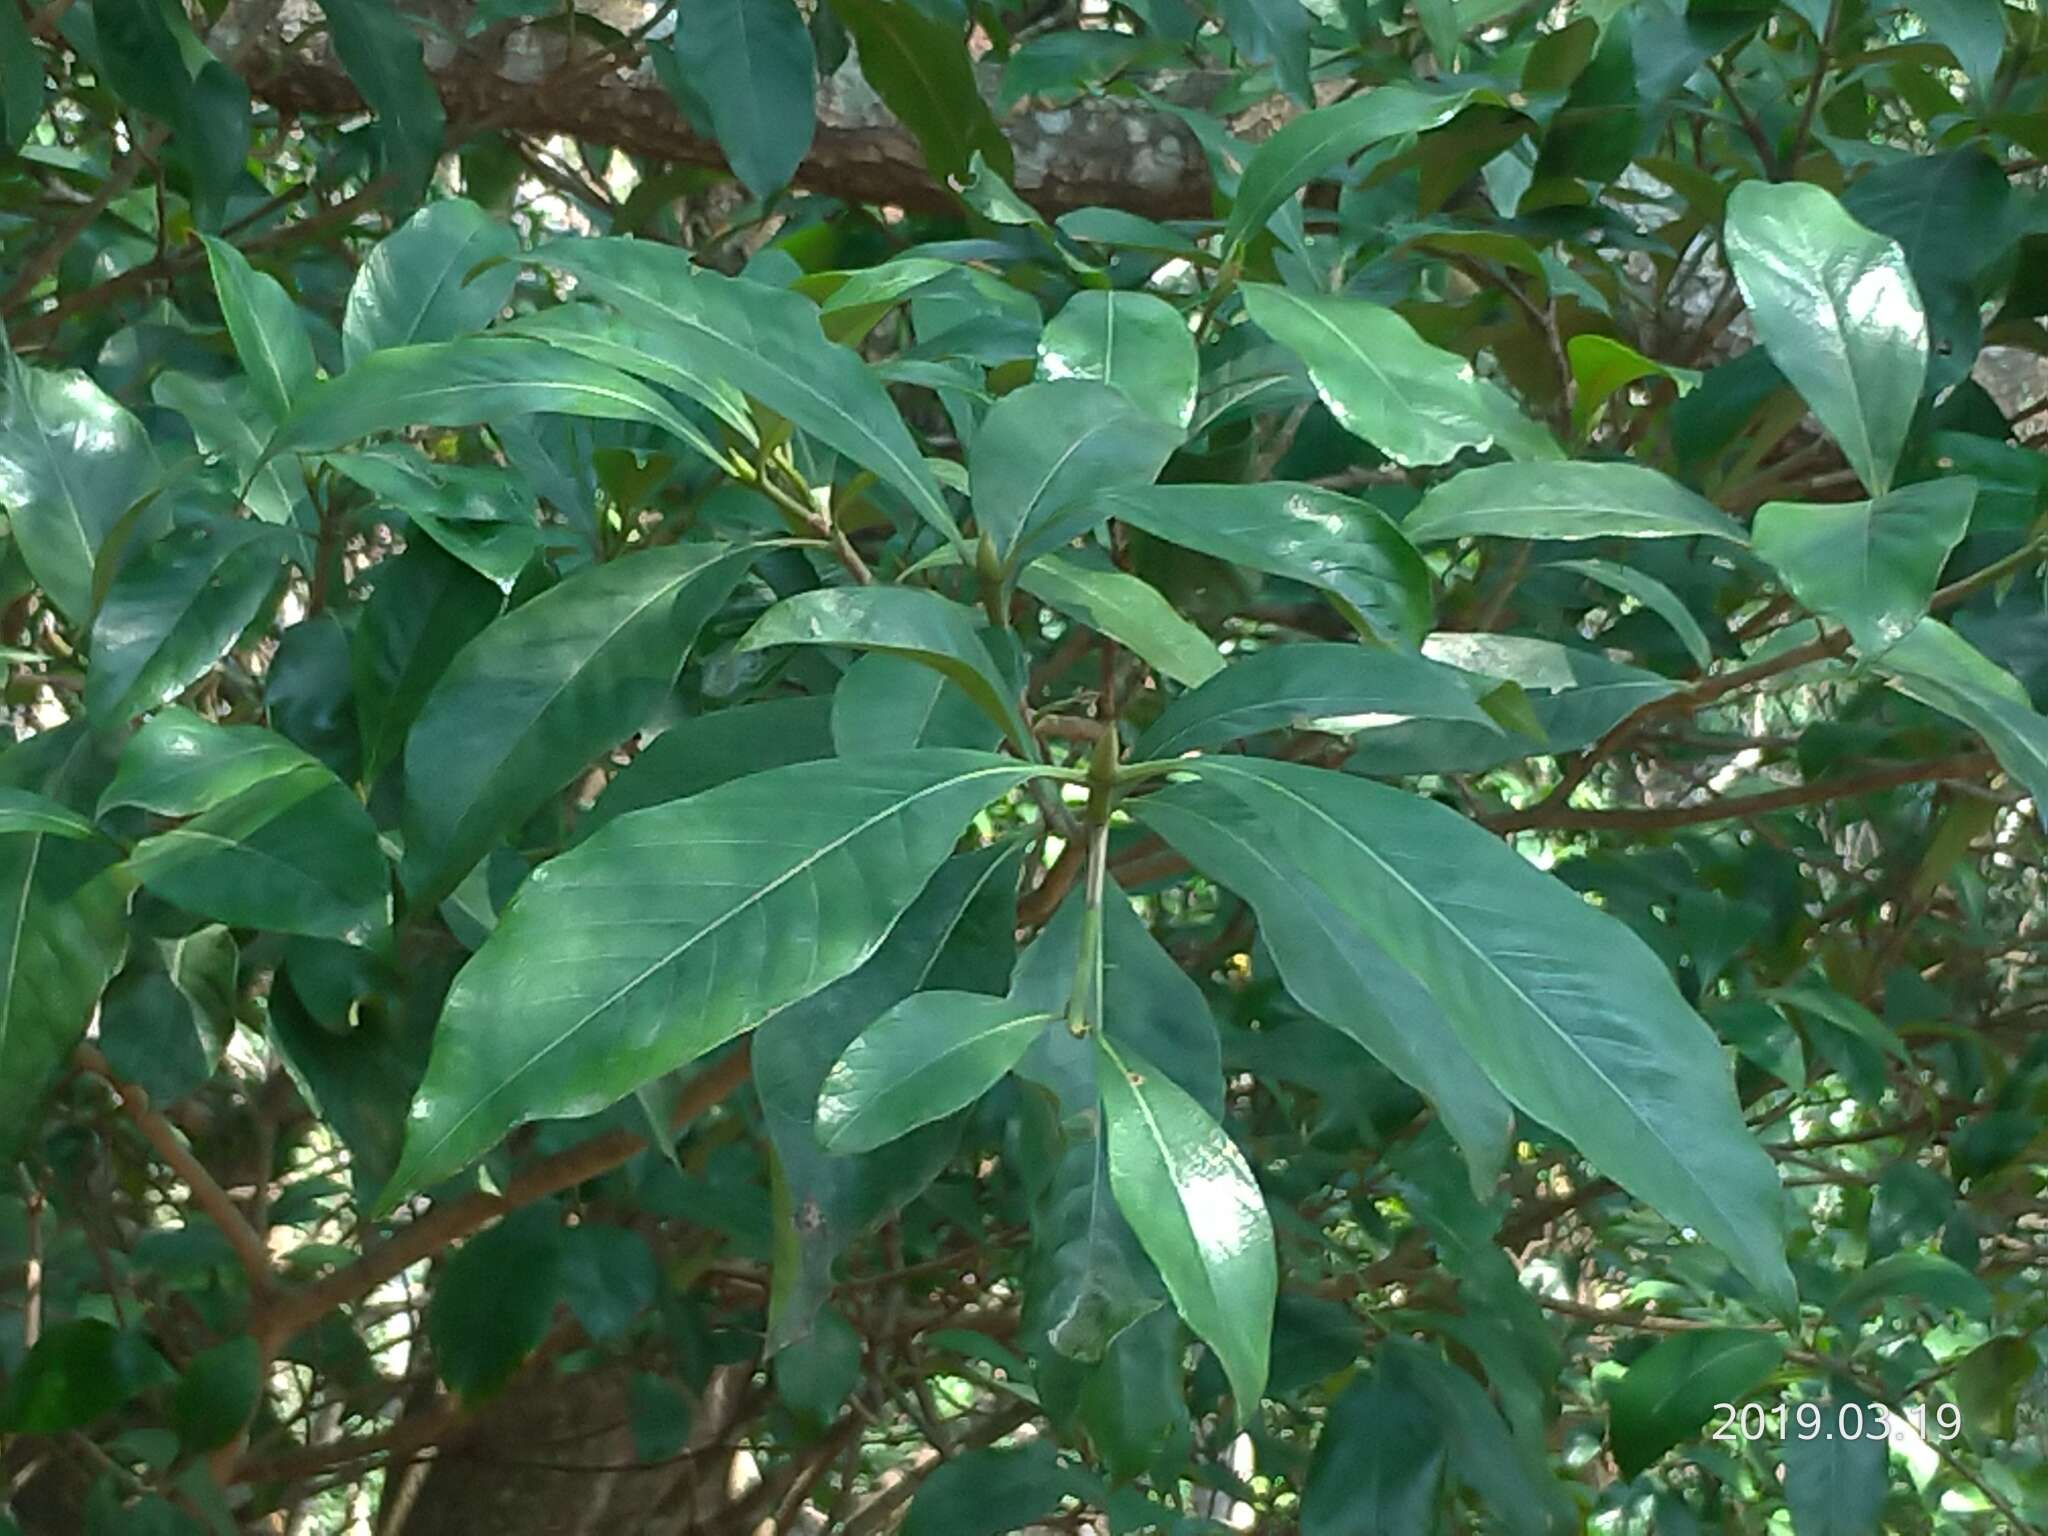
(670, 931)
(1935, 665)
(926, 1057)
(903, 621)
(417, 285)
(1872, 565)
(767, 342)
(263, 323)
(920, 67)
(527, 704)
(1416, 403)
(1566, 501)
(1653, 595)
(1573, 1017)
(1327, 686)
(1335, 971)
(1135, 341)
(461, 383)
(751, 61)
(1671, 1388)
(1128, 610)
(1835, 306)
(1190, 1196)
(1335, 543)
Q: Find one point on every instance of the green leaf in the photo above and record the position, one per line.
(173, 610)
(1574, 1018)
(461, 383)
(705, 751)
(1378, 1464)
(217, 1394)
(1671, 1388)
(1188, 1193)
(609, 1276)
(1334, 543)
(957, 932)
(923, 1059)
(885, 703)
(752, 62)
(920, 68)
(166, 1019)
(1273, 32)
(647, 347)
(78, 1372)
(1935, 665)
(1837, 310)
(525, 706)
(1135, 341)
(911, 622)
(1416, 403)
(1952, 217)
(818, 1372)
(492, 1302)
(1314, 686)
(767, 342)
(63, 910)
(72, 461)
(1835, 1483)
(1484, 1454)
(230, 425)
(264, 325)
(1315, 142)
(1973, 31)
(23, 810)
(1047, 448)
(1601, 365)
(1871, 565)
(991, 1492)
(575, 999)
(1653, 595)
(384, 60)
(21, 82)
(273, 840)
(1579, 500)
(1128, 610)
(1928, 1276)
(1336, 971)
(424, 607)
(416, 287)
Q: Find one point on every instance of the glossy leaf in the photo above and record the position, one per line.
(928, 1056)
(1127, 610)
(1838, 311)
(1190, 1196)
(526, 705)
(1316, 686)
(766, 341)
(1603, 1049)
(1601, 366)
(384, 61)
(886, 702)
(705, 751)
(1671, 1389)
(911, 622)
(1336, 971)
(63, 910)
(416, 286)
(72, 461)
(173, 610)
(23, 810)
(1580, 500)
(264, 324)
(1339, 545)
(573, 1001)
(1415, 402)
(271, 838)
(1135, 341)
(919, 66)
(1935, 665)
(1871, 565)
(751, 61)
(1043, 448)
(1317, 142)
(1652, 594)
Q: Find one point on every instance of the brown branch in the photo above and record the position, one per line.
(450, 1223)
(1653, 818)
(206, 1191)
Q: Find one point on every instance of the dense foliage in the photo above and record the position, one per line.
(745, 795)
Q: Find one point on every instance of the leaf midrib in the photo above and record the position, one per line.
(1673, 1154)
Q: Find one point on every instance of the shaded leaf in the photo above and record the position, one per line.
(1670, 1390)
(752, 62)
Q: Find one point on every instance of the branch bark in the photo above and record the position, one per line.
(1096, 151)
